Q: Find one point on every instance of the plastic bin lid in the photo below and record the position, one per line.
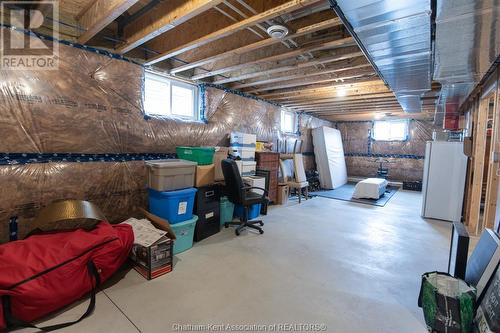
(196, 148)
(192, 220)
(171, 163)
(174, 193)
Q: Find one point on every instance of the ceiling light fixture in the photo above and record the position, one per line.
(277, 31)
(341, 92)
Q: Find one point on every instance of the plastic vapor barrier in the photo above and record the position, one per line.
(92, 104)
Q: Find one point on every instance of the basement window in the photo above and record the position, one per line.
(396, 130)
(288, 122)
(165, 96)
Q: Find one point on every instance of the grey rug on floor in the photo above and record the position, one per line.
(345, 193)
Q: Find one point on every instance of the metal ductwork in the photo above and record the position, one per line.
(467, 44)
(395, 36)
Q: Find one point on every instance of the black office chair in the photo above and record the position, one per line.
(240, 194)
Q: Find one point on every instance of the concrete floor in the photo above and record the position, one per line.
(350, 267)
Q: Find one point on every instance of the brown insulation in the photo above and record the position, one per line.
(93, 105)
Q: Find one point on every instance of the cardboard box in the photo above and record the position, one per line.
(220, 154)
(154, 260)
(283, 193)
(205, 175)
(157, 259)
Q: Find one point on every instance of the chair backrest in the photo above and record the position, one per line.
(286, 172)
(298, 164)
(233, 180)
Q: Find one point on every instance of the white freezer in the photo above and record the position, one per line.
(444, 180)
(329, 155)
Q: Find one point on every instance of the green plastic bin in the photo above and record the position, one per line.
(201, 155)
(184, 231)
(226, 210)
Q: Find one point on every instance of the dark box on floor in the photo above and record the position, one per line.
(157, 259)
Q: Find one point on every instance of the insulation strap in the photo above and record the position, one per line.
(27, 158)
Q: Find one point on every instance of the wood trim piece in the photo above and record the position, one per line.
(492, 182)
(253, 20)
(100, 14)
(257, 45)
(478, 166)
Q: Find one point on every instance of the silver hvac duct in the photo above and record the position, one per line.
(395, 35)
(467, 44)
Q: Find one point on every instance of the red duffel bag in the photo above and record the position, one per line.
(45, 272)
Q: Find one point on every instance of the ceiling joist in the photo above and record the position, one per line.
(253, 20)
(317, 47)
(300, 65)
(165, 17)
(258, 45)
(99, 14)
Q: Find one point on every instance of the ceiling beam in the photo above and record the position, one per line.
(370, 102)
(329, 88)
(253, 20)
(335, 78)
(343, 99)
(257, 45)
(393, 104)
(166, 16)
(388, 99)
(301, 50)
(100, 14)
(305, 64)
(313, 72)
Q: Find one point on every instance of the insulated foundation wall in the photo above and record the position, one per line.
(403, 159)
(79, 132)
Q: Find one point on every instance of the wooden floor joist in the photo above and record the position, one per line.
(342, 100)
(300, 65)
(100, 14)
(321, 46)
(166, 16)
(258, 45)
(322, 71)
(359, 74)
(394, 103)
(368, 86)
(253, 20)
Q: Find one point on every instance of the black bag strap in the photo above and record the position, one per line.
(13, 322)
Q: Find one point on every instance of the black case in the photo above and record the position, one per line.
(208, 222)
(206, 197)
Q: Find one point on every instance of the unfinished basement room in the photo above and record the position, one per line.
(250, 166)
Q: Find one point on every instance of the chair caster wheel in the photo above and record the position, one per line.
(261, 232)
(261, 224)
(237, 232)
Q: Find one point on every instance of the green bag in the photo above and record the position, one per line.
(448, 303)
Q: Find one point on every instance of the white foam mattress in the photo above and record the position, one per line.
(370, 188)
(329, 155)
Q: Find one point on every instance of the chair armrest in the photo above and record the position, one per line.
(246, 188)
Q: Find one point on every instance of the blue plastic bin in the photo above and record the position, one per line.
(184, 231)
(253, 211)
(174, 206)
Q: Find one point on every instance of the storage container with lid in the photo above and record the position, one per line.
(244, 153)
(173, 206)
(169, 175)
(184, 231)
(200, 155)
